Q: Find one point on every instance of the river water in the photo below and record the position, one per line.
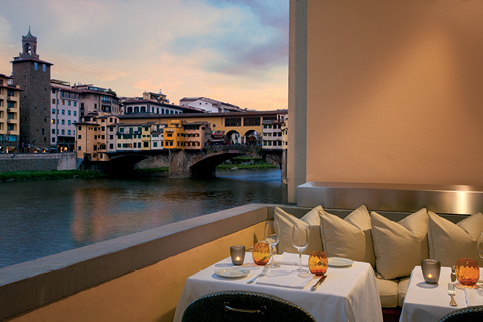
(41, 218)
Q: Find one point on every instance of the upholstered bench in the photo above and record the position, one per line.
(392, 242)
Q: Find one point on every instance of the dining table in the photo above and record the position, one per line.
(349, 293)
(430, 302)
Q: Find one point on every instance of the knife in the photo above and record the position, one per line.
(318, 282)
(453, 274)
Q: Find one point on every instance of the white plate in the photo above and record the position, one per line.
(232, 272)
(340, 262)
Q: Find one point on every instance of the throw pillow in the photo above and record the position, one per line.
(449, 241)
(350, 237)
(287, 221)
(399, 246)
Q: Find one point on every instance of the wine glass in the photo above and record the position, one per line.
(300, 240)
(272, 238)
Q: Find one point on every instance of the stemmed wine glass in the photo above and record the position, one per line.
(300, 240)
(272, 238)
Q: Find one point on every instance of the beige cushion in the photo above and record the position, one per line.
(448, 241)
(402, 290)
(285, 224)
(350, 237)
(387, 292)
(399, 246)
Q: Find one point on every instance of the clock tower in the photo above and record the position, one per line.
(33, 77)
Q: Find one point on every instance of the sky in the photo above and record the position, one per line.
(234, 51)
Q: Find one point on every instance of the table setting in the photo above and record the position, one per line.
(436, 291)
(330, 289)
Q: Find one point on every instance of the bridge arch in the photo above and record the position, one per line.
(251, 137)
(233, 137)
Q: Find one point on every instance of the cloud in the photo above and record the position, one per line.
(234, 51)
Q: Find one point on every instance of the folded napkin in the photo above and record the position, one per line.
(285, 278)
(474, 296)
(291, 259)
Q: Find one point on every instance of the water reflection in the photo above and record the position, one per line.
(46, 217)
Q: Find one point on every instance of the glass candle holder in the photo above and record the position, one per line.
(261, 253)
(431, 269)
(467, 271)
(318, 263)
(237, 254)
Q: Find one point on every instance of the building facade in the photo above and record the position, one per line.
(64, 114)
(32, 75)
(152, 103)
(9, 115)
(94, 99)
(209, 105)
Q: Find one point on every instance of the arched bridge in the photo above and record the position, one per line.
(189, 163)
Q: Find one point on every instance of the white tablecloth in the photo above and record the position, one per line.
(348, 294)
(430, 302)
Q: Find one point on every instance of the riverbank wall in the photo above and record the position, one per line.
(37, 161)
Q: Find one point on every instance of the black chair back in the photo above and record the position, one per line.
(469, 314)
(239, 306)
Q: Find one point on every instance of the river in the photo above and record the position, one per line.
(41, 218)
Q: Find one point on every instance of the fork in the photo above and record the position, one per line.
(263, 273)
(452, 292)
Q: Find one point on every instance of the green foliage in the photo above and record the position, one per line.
(46, 175)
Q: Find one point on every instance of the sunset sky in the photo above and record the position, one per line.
(234, 51)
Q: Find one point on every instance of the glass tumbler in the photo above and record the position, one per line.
(261, 253)
(318, 263)
(467, 271)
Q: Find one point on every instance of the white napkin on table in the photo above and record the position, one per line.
(285, 278)
(291, 259)
(474, 297)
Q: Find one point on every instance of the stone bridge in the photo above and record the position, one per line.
(188, 163)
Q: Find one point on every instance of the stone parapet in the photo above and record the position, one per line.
(37, 162)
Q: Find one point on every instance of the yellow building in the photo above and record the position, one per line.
(9, 115)
(196, 135)
(174, 135)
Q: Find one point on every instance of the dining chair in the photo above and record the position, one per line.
(239, 306)
(469, 314)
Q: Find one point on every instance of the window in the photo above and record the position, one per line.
(79, 137)
(80, 127)
(95, 147)
(53, 111)
(63, 111)
(43, 132)
(68, 132)
(53, 140)
(111, 146)
(53, 101)
(79, 148)
(146, 144)
(36, 66)
(63, 102)
(68, 122)
(63, 122)
(44, 67)
(119, 145)
(75, 113)
(53, 121)
(233, 121)
(111, 137)
(155, 144)
(75, 103)
(251, 121)
(53, 131)
(68, 112)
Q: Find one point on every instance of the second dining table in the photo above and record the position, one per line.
(349, 293)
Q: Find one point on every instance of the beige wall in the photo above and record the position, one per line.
(148, 294)
(395, 91)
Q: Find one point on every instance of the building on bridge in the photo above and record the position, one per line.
(9, 115)
(64, 113)
(238, 127)
(272, 133)
(96, 99)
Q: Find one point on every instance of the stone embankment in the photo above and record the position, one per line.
(37, 161)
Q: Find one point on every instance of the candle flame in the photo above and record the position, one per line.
(430, 276)
(237, 258)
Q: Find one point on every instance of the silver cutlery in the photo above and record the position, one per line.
(263, 273)
(453, 274)
(452, 292)
(313, 288)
